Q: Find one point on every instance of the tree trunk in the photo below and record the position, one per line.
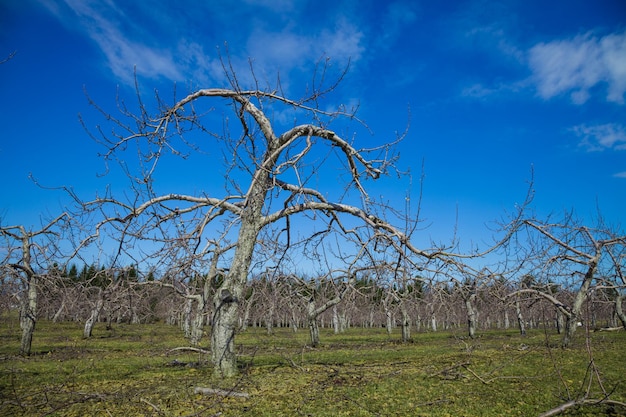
(223, 338)
(226, 299)
(132, 307)
(389, 324)
(560, 322)
(28, 317)
(520, 319)
(58, 313)
(185, 323)
(269, 319)
(294, 321)
(406, 323)
(471, 316)
(572, 320)
(245, 321)
(619, 311)
(197, 323)
(344, 323)
(93, 318)
(314, 330)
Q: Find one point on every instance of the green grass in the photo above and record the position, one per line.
(128, 371)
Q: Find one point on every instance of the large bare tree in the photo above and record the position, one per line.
(271, 174)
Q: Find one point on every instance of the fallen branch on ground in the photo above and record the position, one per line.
(476, 375)
(220, 392)
(188, 348)
(586, 401)
(609, 329)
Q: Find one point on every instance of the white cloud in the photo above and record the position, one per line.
(289, 53)
(620, 174)
(197, 65)
(574, 66)
(127, 39)
(102, 21)
(610, 136)
(614, 47)
(342, 43)
(279, 48)
(287, 49)
(124, 56)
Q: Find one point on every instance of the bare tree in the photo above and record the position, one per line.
(28, 255)
(618, 259)
(270, 184)
(572, 254)
(309, 291)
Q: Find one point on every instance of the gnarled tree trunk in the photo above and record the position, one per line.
(314, 330)
(226, 299)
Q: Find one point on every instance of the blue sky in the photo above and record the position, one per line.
(495, 90)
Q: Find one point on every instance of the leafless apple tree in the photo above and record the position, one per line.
(28, 255)
(273, 172)
(576, 257)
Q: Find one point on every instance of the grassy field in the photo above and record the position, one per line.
(130, 371)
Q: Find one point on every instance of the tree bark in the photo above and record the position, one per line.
(560, 322)
(619, 311)
(314, 331)
(185, 323)
(95, 314)
(226, 299)
(59, 311)
(571, 323)
(269, 318)
(197, 322)
(406, 322)
(520, 318)
(222, 339)
(471, 315)
(28, 317)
